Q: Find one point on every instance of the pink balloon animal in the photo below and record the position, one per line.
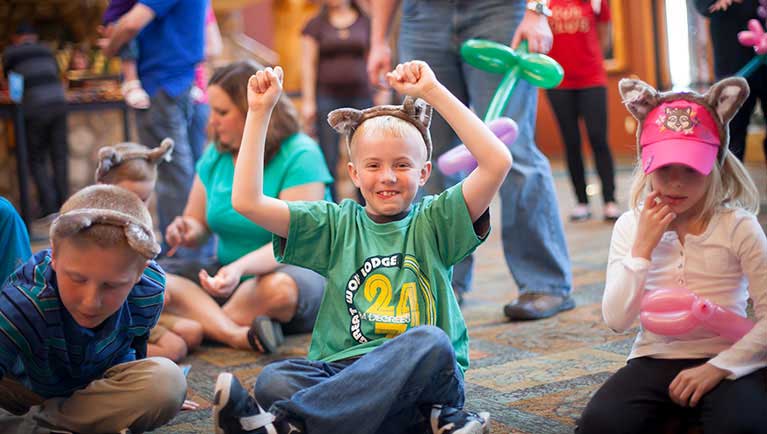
(673, 312)
(459, 159)
(754, 37)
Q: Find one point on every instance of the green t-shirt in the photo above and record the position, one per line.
(382, 278)
(299, 161)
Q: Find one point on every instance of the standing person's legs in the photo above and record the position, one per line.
(60, 157)
(533, 236)
(739, 127)
(736, 406)
(39, 155)
(592, 106)
(428, 33)
(170, 117)
(635, 400)
(141, 395)
(564, 104)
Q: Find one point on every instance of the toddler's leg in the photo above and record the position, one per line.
(737, 406)
(140, 395)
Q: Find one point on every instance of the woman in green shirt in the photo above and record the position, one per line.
(235, 294)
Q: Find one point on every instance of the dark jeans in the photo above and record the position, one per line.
(589, 104)
(636, 400)
(48, 149)
(383, 392)
(739, 124)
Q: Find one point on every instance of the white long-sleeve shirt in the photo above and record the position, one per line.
(724, 264)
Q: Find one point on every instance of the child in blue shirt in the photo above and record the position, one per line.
(74, 321)
(390, 345)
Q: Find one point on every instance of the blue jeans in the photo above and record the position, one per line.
(388, 390)
(198, 137)
(532, 233)
(170, 117)
(328, 137)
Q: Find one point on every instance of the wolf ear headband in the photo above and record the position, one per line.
(139, 236)
(112, 156)
(414, 111)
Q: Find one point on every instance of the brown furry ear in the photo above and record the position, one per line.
(162, 152)
(418, 110)
(726, 96)
(108, 158)
(638, 97)
(344, 120)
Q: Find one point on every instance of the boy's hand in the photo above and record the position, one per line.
(691, 384)
(413, 78)
(264, 89)
(653, 222)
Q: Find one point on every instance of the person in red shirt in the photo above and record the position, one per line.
(581, 29)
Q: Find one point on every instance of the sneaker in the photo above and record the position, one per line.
(531, 306)
(611, 211)
(236, 412)
(580, 213)
(449, 420)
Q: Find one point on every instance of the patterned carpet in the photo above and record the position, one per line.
(533, 377)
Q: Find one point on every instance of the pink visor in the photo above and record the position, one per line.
(679, 132)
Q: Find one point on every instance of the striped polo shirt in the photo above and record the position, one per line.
(43, 347)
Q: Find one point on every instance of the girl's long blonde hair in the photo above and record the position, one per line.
(729, 187)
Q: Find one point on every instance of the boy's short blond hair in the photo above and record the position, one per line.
(107, 216)
(386, 126)
(416, 112)
(131, 162)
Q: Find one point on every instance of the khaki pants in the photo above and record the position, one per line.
(140, 395)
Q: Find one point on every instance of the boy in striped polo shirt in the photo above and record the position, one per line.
(74, 321)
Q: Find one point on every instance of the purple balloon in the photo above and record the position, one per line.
(459, 159)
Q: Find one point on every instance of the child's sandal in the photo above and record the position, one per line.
(135, 95)
(265, 335)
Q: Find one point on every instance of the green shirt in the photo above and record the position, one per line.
(299, 161)
(382, 278)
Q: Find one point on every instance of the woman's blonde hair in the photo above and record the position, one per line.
(729, 187)
(233, 80)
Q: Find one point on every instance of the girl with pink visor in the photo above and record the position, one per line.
(692, 224)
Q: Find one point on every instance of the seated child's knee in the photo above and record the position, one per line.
(273, 383)
(167, 384)
(431, 337)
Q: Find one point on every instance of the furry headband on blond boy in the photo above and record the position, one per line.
(683, 127)
(112, 156)
(414, 111)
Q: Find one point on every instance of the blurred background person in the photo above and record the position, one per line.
(335, 45)
(581, 34)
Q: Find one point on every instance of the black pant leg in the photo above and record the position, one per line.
(563, 102)
(592, 107)
(39, 153)
(635, 399)
(739, 127)
(60, 156)
(736, 406)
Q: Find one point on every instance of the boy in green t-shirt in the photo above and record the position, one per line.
(390, 345)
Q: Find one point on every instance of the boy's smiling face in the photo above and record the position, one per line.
(388, 171)
(94, 281)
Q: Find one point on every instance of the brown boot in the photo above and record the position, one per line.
(537, 306)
